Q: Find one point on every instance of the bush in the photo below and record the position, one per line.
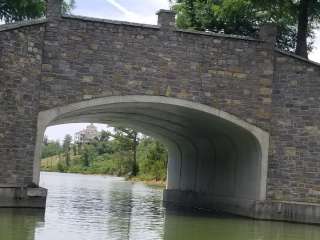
(61, 167)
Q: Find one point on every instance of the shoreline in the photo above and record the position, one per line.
(153, 183)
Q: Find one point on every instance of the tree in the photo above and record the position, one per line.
(104, 136)
(18, 10)
(295, 19)
(152, 159)
(101, 142)
(305, 14)
(74, 149)
(308, 17)
(303, 20)
(88, 154)
(66, 148)
(128, 140)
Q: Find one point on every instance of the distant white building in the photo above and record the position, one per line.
(87, 134)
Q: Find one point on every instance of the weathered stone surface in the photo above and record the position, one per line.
(20, 70)
(295, 138)
(69, 59)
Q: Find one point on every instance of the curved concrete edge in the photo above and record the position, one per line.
(261, 210)
(45, 118)
(16, 197)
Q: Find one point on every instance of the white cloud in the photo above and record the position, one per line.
(121, 8)
(132, 16)
(140, 11)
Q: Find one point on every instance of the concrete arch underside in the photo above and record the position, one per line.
(216, 160)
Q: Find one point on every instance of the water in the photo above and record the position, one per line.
(81, 207)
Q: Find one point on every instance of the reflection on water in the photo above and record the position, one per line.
(95, 207)
(207, 227)
(19, 223)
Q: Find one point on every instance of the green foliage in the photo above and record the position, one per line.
(128, 141)
(228, 16)
(50, 148)
(152, 160)
(242, 17)
(125, 139)
(123, 153)
(66, 148)
(67, 143)
(61, 167)
(102, 144)
(88, 153)
(18, 10)
(74, 149)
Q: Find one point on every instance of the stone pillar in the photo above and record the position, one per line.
(53, 10)
(268, 33)
(20, 75)
(166, 19)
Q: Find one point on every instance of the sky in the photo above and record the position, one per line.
(140, 11)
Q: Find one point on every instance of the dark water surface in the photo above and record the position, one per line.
(81, 207)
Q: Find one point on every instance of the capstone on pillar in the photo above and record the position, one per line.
(268, 33)
(166, 19)
(53, 9)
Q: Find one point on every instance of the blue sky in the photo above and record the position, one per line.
(140, 11)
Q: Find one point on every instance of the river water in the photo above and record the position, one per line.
(82, 207)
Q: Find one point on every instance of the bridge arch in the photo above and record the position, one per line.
(211, 152)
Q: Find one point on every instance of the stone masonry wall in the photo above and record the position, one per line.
(98, 59)
(294, 164)
(20, 69)
(73, 59)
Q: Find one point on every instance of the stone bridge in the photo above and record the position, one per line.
(239, 117)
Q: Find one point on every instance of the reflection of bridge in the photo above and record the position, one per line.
(217, 101)
(20, 223)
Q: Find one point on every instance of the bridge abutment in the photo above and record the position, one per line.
(23, 197)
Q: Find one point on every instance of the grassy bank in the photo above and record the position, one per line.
(102, 166)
